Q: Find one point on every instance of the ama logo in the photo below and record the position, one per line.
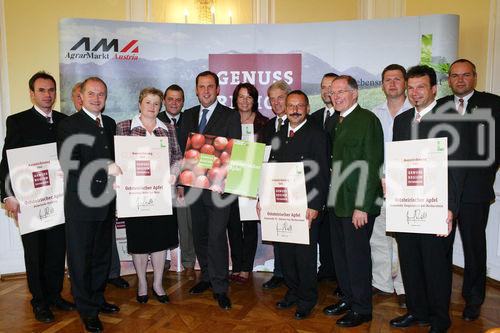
(104, 49)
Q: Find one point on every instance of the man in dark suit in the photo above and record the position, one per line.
(174, 102)
(86, 152)
(44, 250)
(276, 93)
(425, 259)
(478, 193)
(209, 216)
(325, 118)
(302, 141)
(359, 144)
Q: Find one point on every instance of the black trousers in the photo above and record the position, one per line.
(210, 238)
(472, 220)
(299, 265)
(44, 258)
(242, 239)
(426, 270)
(327, 265)
(115, 266)
(353, 261)
(89, 258)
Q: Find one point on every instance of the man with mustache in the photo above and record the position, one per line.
(300, 140)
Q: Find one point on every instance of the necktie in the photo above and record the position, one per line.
(341, 119)
(327, 118)
(203, 121)
(174, 121)
(291, 134)
(280, 122)
(418, 117)
(461, 106)
(49, 120)
(98, 122)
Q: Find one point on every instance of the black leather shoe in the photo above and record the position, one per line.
(471, 312)
(338, 293)
(161, 298)
(43, 314)
(408, 320)
(352, 319)
(109, 308)
(119, 282)
(337, 309)
(200, 287)
(437, 330)
(62, 304)
(142, 299)
(273, 283)
(223, 300)
(92, 324)
(302, 314)
(284, 304)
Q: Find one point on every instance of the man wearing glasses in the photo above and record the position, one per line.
(358, 154)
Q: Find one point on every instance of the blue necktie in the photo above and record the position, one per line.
(203, 121)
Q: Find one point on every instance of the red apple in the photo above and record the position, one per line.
(207, 149)
(202, 181)
(186, 177)
(198, 170)
(192, 156)
(216, 175)
(225, 157)
(220, 143)
(217, 163)
(197, 141)
(229, 147)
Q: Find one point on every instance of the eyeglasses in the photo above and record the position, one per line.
(340, 92)
(296, 106)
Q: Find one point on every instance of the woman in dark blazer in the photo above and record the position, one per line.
(243, 234)
(151, 235)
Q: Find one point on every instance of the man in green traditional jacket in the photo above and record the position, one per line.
(355, 196)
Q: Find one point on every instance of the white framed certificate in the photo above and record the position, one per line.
(417, 186)
(38, 184)
(283, 203)
(144, 187)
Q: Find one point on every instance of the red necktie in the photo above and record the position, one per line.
(98, 122)
(291, 134)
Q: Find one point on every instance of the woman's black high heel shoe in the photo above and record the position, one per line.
(160, 298)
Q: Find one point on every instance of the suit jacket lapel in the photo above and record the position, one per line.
(213, 118)
(472, 103)
(195, 120)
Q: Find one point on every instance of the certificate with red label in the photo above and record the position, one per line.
(283, 203)
(38, 184)
(416, 175)
(144, 188)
